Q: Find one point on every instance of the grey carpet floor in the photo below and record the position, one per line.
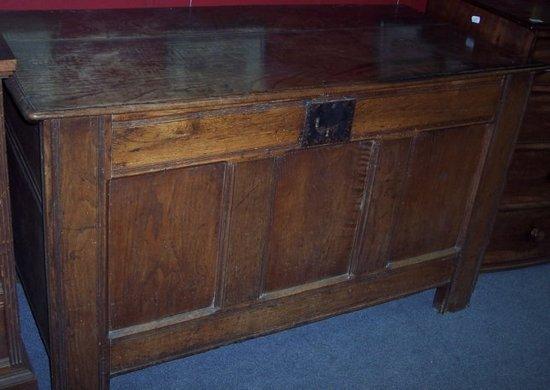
(502, 341)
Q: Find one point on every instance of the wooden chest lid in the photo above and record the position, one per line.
(106, 61)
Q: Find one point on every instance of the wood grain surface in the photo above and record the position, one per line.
(99, 62)
(178, 208)
(523, 27)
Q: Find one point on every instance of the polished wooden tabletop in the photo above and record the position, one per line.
(531, 13)
(76, 62)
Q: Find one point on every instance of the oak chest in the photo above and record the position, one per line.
(522, 231)
(188, 178)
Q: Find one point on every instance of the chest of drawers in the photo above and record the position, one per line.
(522, 231)
(193, 178)
(14, 368)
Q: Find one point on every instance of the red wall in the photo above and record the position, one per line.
(74, 4)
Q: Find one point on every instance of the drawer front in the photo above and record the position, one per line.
(541, 51)
(542, 81)
(528, 178)
(150, 144)
(519, 235)
(536, 122)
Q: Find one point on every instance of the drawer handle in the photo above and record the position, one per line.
(537, 235)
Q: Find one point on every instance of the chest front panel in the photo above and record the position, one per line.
(196, 240)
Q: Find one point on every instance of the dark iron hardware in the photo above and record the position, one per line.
(328, 122)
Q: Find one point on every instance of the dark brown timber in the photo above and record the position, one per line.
(200, 177)
(14, 368)
(523, 28)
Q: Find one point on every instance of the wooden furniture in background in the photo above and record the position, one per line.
(189, 179)
(14, 368)
(522, 231)
(118, 4)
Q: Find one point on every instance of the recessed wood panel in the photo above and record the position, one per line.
(163, 243)
(249, 222)
(442, 171)
(389, 177)
(26, 208)
(315, 213)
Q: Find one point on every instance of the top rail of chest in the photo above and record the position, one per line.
(75, 63)
(144, 142)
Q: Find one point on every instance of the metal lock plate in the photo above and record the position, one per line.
(328, 122)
